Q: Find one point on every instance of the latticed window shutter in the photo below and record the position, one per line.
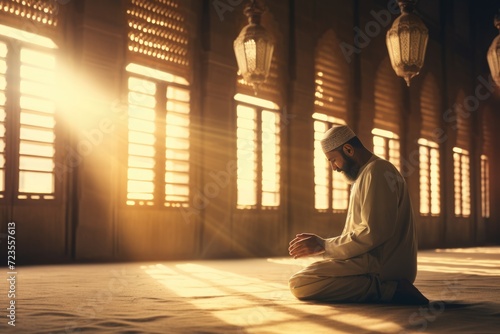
(387, 99)
(463, 123)
(330, 78)
(487, 121)
(158, 31)
(41, 12)
(429, 108)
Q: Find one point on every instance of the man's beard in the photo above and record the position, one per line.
(350, 169)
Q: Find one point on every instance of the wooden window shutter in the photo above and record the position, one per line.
(330, 78)
(463, 123)
(487, 121)
(429, 108)
(387, 99)
(40, 12)
(158, 32)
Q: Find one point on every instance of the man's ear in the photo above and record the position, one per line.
(348, 150)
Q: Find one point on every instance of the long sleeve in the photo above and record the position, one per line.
(372, 215)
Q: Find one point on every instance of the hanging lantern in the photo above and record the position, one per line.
(254, 48)
(494, 53)
(407, 42)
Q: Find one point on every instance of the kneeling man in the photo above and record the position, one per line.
(375, 257)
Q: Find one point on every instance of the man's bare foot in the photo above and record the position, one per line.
(407, 294)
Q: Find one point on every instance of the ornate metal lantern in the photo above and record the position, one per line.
(254, 47)
(494, 53)
(407, 41)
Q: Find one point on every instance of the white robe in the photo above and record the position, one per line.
(378, 243)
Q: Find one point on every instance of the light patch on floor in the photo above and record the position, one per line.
(248, 296)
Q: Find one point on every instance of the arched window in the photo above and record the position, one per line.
(430, 201)
(158, 155)
(461, 159)
(330, 107)
(387, 120)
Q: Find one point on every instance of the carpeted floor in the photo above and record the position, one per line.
(246, 296)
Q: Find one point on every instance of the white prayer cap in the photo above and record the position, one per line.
(336, 136)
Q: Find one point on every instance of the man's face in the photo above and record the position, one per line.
(344, 164)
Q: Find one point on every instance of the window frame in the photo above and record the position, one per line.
(485, 187)
(12, 124)
(160, 135)
(387, 137)
(259, 109)
(458, 197)
(429, 146)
